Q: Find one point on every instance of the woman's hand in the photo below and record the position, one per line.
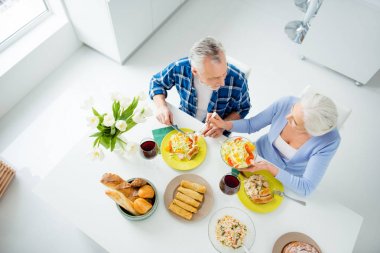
(261, 165)
(216, 121)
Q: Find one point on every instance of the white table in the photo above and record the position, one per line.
(74, 190)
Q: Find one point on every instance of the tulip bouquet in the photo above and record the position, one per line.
(126, 113)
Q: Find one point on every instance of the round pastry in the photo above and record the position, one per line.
(146, 191)
(299, 247)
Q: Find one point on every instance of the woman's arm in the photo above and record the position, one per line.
(257, 122)
(315, 169)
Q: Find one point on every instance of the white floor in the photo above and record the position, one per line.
(38, 132)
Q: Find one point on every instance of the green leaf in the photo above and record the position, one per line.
(113, 130)
(127, 113)
(113, 142)
(96, 134)
(105, 141)
(115, 109)
(96, 142)
(130, 124)
(95, 112)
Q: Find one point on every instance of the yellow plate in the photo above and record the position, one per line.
(261, 208)
(174, 162)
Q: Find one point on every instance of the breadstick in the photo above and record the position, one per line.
(184, 206)
(187, 199)
(180, 211)
(192, 194)
(193, 186)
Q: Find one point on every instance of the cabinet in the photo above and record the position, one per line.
(117, 27)
(345, 36)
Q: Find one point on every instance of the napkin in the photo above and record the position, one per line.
(159, 134)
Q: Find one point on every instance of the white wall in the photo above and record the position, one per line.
(32, 58)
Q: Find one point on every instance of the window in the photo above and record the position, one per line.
(18, 17)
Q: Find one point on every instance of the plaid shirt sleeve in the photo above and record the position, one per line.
(162, 81)
(245, 103)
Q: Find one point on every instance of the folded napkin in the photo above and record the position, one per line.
(159, 134)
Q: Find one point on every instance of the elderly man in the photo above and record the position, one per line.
(205, 83)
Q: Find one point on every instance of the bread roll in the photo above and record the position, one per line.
(128, 191)
(265, 196)
(192, 194)
(192, 152)
(141, 205)
(146, 192)
(111, 180)
(187, 199)
(138, 182)
(193, 186)
(123, 201)
(184, 206)
(180, 211)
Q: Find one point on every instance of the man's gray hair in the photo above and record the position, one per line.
(206, 47)
(320, 113)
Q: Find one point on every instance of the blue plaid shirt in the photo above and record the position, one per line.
(232, 97)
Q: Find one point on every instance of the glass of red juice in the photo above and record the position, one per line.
(230, 183)
(148, 148)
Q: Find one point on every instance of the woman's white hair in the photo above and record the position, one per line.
(319, 112)
(206, 47)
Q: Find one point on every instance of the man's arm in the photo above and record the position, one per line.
(159, 84)
(163, 115)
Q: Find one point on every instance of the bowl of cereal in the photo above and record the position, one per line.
(231, 230)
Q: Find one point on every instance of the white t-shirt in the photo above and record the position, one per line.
(285, 149)
(203, 95)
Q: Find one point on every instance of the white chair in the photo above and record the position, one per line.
(343, 111)
(246, 69)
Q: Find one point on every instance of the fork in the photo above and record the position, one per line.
(178, 129)
(282, 194)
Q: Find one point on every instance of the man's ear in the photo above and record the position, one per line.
(194, 71)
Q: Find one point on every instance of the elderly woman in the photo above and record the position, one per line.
(301, 141)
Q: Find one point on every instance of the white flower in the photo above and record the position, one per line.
(115, 96)
(141, 114)
(92, 121)
(131, 147)
(142, 96)
(97, 153)
(108, 120)
(125, 102)
(87, 104)
(121, 125)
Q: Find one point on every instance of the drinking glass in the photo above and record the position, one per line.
(230, 183)
(148, 148)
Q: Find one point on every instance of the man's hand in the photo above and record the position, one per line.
(212, 131)
(164, 115)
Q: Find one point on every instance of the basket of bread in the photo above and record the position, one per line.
(135, 198)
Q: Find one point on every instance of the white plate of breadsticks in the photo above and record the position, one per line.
(188, 197)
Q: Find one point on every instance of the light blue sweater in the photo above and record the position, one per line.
(305, 170)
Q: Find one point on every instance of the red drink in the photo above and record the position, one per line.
(229, 184)
(148, 148)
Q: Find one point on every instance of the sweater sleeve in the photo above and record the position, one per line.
(255, 123)
(315, 169)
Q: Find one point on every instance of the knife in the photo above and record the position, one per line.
(177, 128)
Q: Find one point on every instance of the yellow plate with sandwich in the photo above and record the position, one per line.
(183, 152)
(273, 184)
